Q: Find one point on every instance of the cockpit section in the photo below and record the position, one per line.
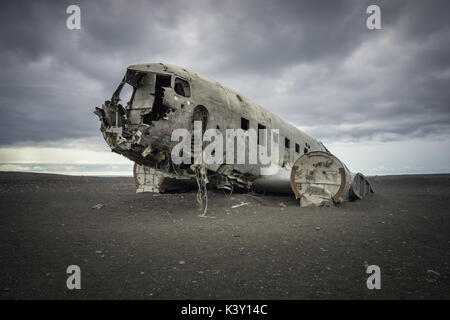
(138, 119)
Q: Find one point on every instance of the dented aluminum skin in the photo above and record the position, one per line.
(320, 179)
(167, 97)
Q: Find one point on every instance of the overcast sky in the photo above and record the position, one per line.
(380, 99)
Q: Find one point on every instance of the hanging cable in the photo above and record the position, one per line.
(202, 181)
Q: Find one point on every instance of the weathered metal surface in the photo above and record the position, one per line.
(147, 179)
(319, 179)
(360, 187)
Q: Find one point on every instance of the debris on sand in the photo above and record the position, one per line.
(282, 204)
(98, 206)
(434, 272)
(239, 205)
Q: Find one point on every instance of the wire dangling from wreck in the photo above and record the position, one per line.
(202, 181)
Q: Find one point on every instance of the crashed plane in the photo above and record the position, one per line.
(179, 127)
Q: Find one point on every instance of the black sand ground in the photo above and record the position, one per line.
(149, 246)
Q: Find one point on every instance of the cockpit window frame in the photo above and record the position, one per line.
(183, 82)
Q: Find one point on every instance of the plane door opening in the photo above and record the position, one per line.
(200, 114)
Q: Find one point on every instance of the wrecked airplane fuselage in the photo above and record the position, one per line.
(164, 99)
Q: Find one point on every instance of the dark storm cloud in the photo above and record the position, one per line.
(312, 62)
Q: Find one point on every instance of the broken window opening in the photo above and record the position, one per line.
(127, 88)
(162, 81)
(127, 94)
(261, 134)
(287, 143)
(245, 124)
(182, 87)
(159, 110)
(297, 148)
